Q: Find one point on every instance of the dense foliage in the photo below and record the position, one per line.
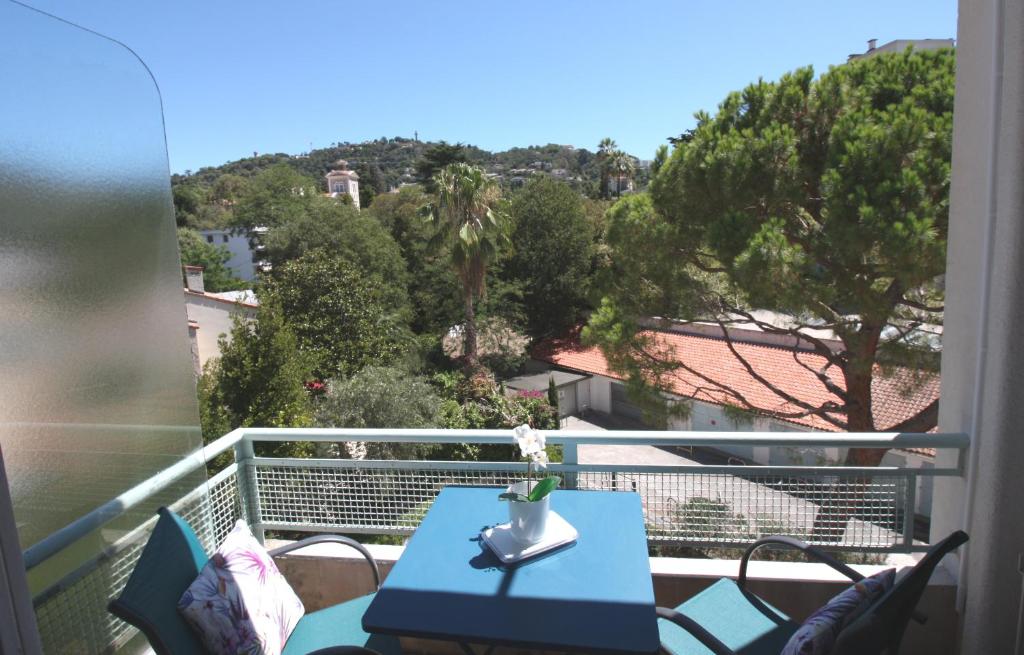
(257, 381)
(195, 251)
(434, 160)
(338, 229)
(824, 201)
(433, 288)
(382, 397)
(209, 197)
(553, 255)
(337, 314)
(474, 401)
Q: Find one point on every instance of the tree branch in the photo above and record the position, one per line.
(820, 347)
(923, 421)
(823, 411)
(823, 377)
(918, 305)
(793, 400)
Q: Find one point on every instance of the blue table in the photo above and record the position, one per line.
(594, 596)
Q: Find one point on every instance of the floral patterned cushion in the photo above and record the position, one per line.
(240, 603)
(818, 633)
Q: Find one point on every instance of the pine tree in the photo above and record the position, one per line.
(552, 393)
(825, 201)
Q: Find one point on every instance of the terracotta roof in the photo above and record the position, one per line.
(896, 396)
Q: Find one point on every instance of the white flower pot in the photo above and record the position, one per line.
(528, 520)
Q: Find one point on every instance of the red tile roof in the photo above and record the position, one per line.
(897, 395)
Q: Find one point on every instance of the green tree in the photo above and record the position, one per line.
(605, 150)
(435, 159)
(229, 188)
(825, 201)
(371, 183)
(188, 198)
(382, 397)
(257, 381)
(553, 255)
(433, 287)
(324, 224)
(552, 392)
(468, 219)
(660, 157)
(275, 196)
(622, 168)
(337, 314)
(195, 251)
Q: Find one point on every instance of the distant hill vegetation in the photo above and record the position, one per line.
(203, 197)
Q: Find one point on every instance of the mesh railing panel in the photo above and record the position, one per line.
(706, 509)
(72, 617)
(350, 498)
(716, 509)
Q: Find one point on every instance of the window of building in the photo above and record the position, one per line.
(224, 238)
(209, 238)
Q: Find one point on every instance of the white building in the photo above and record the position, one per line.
(899, 45)
(244, 247)
(618, 185)
(341, 181)
(210, 315)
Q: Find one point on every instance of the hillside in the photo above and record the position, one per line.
(384, 164)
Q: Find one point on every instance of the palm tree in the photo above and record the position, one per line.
(605, 149)
(623, 166)
(467, 217)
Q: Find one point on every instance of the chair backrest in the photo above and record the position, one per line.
(169, 563)
(880, 629)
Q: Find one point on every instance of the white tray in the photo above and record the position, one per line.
(509, 550)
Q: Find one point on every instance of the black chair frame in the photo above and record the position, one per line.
(879, 630)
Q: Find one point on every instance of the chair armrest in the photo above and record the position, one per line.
(344, 650)
(695, 629)
(809, 550)
(333, 539)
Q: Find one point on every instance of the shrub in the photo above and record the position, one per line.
(382, 397)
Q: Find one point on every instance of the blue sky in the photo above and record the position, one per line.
(277, 76)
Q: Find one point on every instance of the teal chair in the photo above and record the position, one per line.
(726, 619)
(171, 560)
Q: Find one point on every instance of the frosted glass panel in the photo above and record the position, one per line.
(96, 388)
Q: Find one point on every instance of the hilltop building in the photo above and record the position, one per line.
(341, 181)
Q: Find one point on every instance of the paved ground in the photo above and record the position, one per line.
(593, 454)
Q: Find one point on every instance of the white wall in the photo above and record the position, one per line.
(214, 319)
(238, 246)
(982, 351)
(601, 394)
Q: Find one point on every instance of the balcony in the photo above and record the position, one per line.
(690, 505)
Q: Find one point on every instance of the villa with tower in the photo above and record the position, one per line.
(340, 181)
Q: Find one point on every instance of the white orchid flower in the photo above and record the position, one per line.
(530, 441)
(540, 460)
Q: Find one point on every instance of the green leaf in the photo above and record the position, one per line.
(544, 487)
(511, 495)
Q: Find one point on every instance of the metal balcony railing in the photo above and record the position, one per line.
(849, 508)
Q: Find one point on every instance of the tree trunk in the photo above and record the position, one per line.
(843, 500)
(469, 345)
